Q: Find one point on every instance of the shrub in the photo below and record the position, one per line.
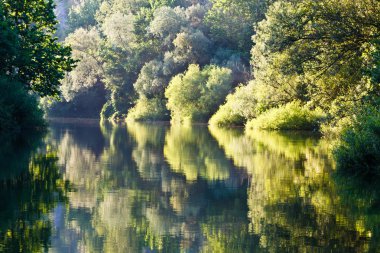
(148, 110)
(225, 116)
(333, 129)
(18, 109)
(358, 150)
(292, 116)
(196, 94)
(238, 108)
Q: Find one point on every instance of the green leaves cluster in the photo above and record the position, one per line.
(358, 150)
(32, 61)
(144, 44)
(34, 57)
(196, 94)
(291, 116)
(321, 53)
(18, 109)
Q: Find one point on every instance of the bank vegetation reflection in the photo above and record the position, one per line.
(192, 189)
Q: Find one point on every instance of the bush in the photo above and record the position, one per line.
(292, 116)
(358, 151)
(225, 116)
(197, 94)
(334, 128)
(148, 110)
(238, 108)
(18, 109)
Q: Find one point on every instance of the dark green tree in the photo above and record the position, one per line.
(33, 55)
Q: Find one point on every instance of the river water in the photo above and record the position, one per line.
(91, 187)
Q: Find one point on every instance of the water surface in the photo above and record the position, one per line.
(90, 187)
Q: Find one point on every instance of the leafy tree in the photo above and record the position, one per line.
(357, 152)
(32, 60)
(82, 15)
(18, 109)
(292, 116)
(38, 60)
(119, 30)
(232, 22)
(151, 81)
(192, 46)
(239, 107)
(89, 70)
(320, 59)
(196, 94)
(316, 53)
(128, 46)
(149, 109)
(167, 22)
(8, 43)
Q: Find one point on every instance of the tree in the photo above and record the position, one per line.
(89, 69)
(18, 109)
(196, 94)
(151, 81)
(167, 22)
(37, 60)
(321, 53)
(83, 15)
(316, 51)
(119, 30)
(232, 22)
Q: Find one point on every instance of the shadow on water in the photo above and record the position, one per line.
(160, 188)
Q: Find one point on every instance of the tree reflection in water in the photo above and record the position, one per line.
(155, 187)
(30, 187)
(296, 201)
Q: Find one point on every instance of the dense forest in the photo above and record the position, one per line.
(264, 64)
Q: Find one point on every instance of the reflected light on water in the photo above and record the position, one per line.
(90, 187)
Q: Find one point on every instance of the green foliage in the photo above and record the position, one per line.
(358, 151)
(196, 94)
(18, 109)
(151, 81)
(321, 53)
(36, 58)
(8, 42)
(225, 116)
(238, 107)
(82, 15)
(139, 45)
(32, 61)
(292, 116)
(232, 22)
(320, 59)
(152, 109)
(88, 72)
(191, 46)
(167, 22)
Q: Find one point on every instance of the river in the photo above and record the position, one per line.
(91, 187)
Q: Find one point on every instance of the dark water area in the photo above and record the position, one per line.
(92, 187)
